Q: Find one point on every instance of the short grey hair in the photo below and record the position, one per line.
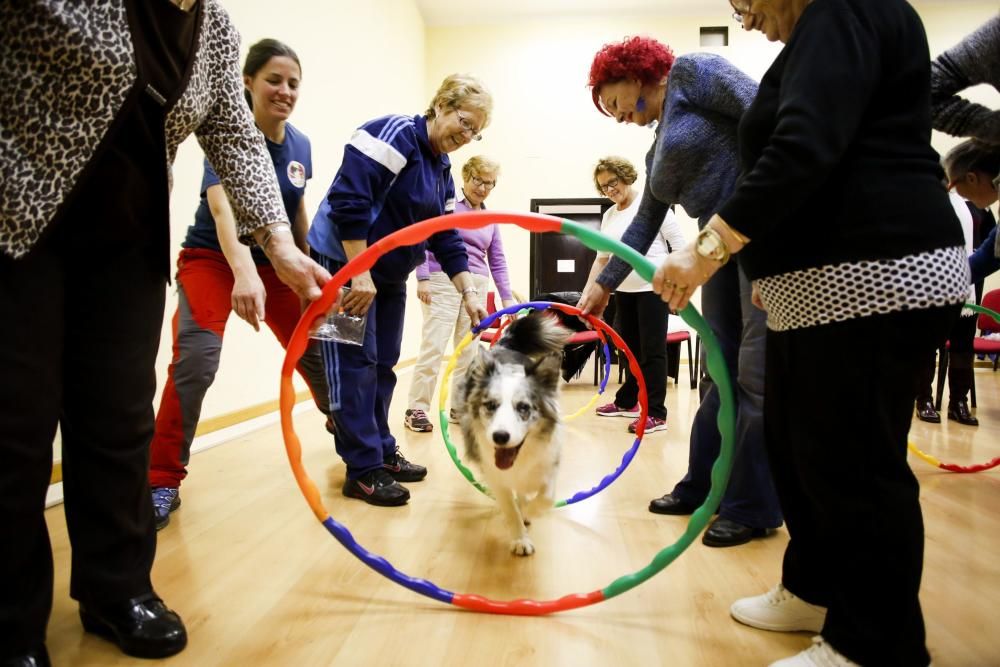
(477, 164)
(462, 91)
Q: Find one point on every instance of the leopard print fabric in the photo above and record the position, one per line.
(69, 68)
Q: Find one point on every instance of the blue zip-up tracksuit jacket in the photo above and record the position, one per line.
(389, 179)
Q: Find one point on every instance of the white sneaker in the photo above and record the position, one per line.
(779, 610)
(820, 654)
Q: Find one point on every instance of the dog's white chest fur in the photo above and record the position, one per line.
(510, 421)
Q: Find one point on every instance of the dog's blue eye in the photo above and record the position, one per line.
(524, 409)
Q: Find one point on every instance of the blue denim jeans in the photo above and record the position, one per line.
(741, 328)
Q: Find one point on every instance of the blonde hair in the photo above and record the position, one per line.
(462, 91)
(477, 164)
(618, 166)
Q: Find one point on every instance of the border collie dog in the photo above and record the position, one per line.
(510, 420)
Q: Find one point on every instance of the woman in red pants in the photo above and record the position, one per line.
(217, 275)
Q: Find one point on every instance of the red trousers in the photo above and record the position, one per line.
(204, 289)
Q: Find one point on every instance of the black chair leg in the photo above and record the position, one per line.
(691, 366)
(942, 375)
(697, 361)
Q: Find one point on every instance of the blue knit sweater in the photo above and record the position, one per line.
(693, 160)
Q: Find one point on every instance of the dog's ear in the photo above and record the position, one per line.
(547, 370)
(483, 364)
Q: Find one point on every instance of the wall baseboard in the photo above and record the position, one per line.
(229, 419)
(235, 417)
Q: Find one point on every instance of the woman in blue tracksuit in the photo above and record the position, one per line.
(395, 172)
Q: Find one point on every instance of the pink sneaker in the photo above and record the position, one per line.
(612, 410)
(652, 425)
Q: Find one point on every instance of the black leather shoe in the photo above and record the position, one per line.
(38, 657)
(959, 412)
(926, 411)
(142, 627)
(727, 533)
(670, 504)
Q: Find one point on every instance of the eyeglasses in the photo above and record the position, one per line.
(468, 127)
(489, 185)
(738, 13)
(610, 185)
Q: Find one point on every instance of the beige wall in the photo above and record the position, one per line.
(361, 60)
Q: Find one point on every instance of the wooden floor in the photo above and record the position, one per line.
(259, 582)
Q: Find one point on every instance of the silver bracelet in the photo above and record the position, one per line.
(280, 227)
(470, 290)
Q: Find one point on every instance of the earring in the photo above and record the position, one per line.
(640, 104)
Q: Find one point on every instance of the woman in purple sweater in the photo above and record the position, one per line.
(443, 314)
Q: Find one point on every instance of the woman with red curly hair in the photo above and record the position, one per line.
(697, 101)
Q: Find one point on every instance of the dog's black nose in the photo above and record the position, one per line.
(501, 437)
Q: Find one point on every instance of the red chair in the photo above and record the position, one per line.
(676, 338)
(493, 332)
(673, 338)
(980, 345)
(583, 337)
(490, 334)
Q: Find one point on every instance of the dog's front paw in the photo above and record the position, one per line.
(522, 546)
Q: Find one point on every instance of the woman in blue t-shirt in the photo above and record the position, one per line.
(216, 275)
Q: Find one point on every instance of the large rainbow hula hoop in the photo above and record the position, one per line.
(601, 327)
(954, 467)
(540, 224)
(488, 322)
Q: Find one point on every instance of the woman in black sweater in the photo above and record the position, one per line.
(859, 261)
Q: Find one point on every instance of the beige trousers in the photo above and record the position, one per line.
(444, 318)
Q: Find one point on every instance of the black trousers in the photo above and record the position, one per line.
(849, 498)
(960, 358)
(81, 327)
(641, 321)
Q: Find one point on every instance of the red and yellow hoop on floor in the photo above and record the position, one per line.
(953, 467)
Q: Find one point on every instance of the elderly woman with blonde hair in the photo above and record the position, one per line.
(640, 315)
(395, 173)
(443, 316)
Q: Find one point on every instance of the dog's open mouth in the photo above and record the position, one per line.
(504, 456)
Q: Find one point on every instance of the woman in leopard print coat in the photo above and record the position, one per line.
(97, 97)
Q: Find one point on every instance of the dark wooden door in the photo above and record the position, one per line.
(561, 263)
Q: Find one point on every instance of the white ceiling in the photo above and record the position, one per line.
(471, 12)
(458, 12)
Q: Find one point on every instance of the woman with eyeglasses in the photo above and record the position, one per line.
(970, 168)
(640, 315)
(695, 103)
(443, 316)
(841, 219)
(395, 172)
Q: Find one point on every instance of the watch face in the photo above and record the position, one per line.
(708, 245)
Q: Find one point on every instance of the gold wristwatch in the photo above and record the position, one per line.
(709, 245)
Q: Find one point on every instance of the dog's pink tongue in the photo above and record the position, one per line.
(505, 456)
